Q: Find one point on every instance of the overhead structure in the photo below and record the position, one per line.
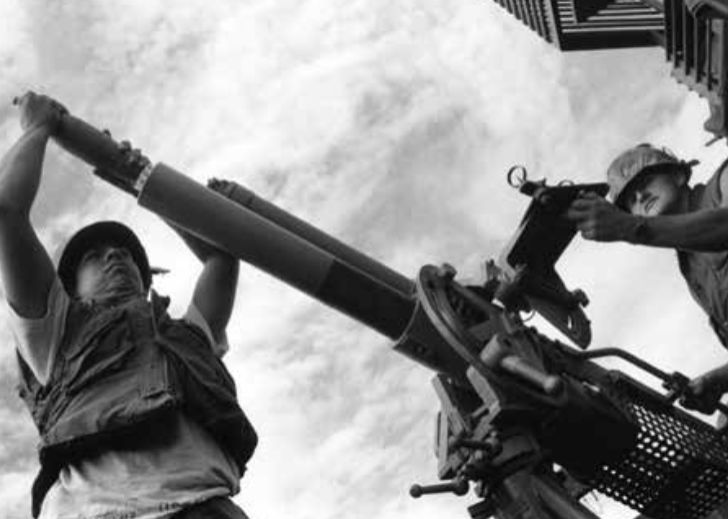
(590, 25)
(692, 32)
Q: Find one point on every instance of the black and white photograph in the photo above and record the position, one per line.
(373, 259)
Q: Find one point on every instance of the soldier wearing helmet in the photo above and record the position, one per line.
(136, 413)
(653, 204)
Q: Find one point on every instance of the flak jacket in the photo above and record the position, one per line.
(119, 374)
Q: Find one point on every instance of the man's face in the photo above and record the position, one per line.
(655, 193)
(107, 271)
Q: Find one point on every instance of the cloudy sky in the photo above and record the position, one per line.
(388, 123)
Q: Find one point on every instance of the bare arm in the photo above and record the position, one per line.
(214, 294)
(705, 230)
(25, 267)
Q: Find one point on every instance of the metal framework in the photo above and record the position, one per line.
(599, 24)
(696, 47)
(692, 32)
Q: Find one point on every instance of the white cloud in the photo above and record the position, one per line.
(14, 489)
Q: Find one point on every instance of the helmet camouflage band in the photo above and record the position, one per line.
(636, 161)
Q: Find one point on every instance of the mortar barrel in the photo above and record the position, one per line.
(273, 240)
(324, 241)
(87, 142)
(373, 299)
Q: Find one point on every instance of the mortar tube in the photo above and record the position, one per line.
(324, 241)
(88, 143)
(277, 251)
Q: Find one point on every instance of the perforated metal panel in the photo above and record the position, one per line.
(678, 470)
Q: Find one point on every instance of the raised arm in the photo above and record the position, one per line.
(214, 294)
(25, 267)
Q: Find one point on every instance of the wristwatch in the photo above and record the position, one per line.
(640, 232)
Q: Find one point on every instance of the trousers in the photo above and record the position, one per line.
(213, 508)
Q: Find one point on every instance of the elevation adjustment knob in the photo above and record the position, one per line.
(458, 487)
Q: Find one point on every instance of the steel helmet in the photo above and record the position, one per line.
(636, 161)
(106, 231)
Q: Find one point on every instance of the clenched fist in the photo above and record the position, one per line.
(598, 220)
(707, 390)
(39, 110)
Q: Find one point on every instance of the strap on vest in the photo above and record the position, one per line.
(43, 482)
(159, 311)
